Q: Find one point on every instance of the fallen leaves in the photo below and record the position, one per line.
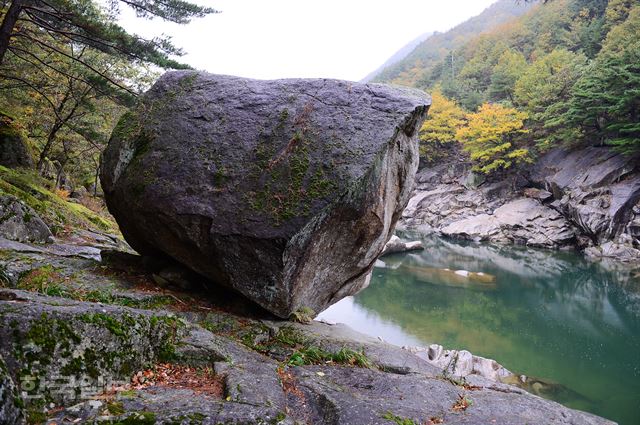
(199, 380)
(288, 383)
(461, 404)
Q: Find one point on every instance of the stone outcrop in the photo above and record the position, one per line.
(10, 401)
(66, 353)
(524, 221)
(461, 363)
(19, 222)
(397, 245)
(587, 198)
(14, 151)
(283, 190)
(598, 190)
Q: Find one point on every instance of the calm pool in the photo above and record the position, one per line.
(551, 315)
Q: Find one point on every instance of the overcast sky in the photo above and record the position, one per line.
(344, 39)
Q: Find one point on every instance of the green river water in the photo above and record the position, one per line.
(550, 315)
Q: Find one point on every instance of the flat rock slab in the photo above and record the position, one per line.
(284, 190)
(525, 221)
(58, 249)
(56, 340)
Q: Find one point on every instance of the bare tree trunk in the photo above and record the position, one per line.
(59, 175)
(97, 176)
(57, 125)
(51, 137)
(8, 23)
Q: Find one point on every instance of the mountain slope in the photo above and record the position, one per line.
(408, 70)
(398, 56)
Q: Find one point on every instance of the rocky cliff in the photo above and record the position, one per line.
(588, 199)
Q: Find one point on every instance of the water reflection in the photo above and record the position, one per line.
(548, 314)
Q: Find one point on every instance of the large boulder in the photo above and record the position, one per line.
(14, 150)
(283, 190)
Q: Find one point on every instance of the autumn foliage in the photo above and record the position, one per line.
(444, 120)
(491, 137)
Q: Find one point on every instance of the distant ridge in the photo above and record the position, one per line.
(435, 47)
(398, 56)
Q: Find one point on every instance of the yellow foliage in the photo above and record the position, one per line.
(62, 193)
(444, 119)
(491, 137)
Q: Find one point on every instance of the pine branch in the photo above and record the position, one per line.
(89, 66)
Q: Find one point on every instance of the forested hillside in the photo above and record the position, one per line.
(439, 45)
(565, 73)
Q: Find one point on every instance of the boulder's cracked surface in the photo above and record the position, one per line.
(283, 190)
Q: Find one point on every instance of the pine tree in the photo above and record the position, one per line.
(505, 74)
(45, 23)
(605, 101)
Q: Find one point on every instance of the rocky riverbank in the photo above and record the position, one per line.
(85, 341)
(587, 199)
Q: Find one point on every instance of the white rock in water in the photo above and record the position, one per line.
(462, 273)
(395, 245)
(380, 264)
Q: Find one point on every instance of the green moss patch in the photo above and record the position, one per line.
(54, 210)
(89, 348)
(290, 181)
(47, 280)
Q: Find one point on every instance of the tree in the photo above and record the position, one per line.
(463, 92)
(485, 54)
(48, 23)
(605, 101)
(66, 70)
(544, 90)
(59, 100)
(491, 137)
(509, 68)
(439, 129)
(617, 12)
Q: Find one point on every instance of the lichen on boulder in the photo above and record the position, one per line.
(10, 401)
(284, 190)
(19, 222)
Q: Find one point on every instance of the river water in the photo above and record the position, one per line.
(572, 323)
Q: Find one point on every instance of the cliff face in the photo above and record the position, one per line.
(588, 199)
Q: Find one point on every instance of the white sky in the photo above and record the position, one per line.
(344, 39)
